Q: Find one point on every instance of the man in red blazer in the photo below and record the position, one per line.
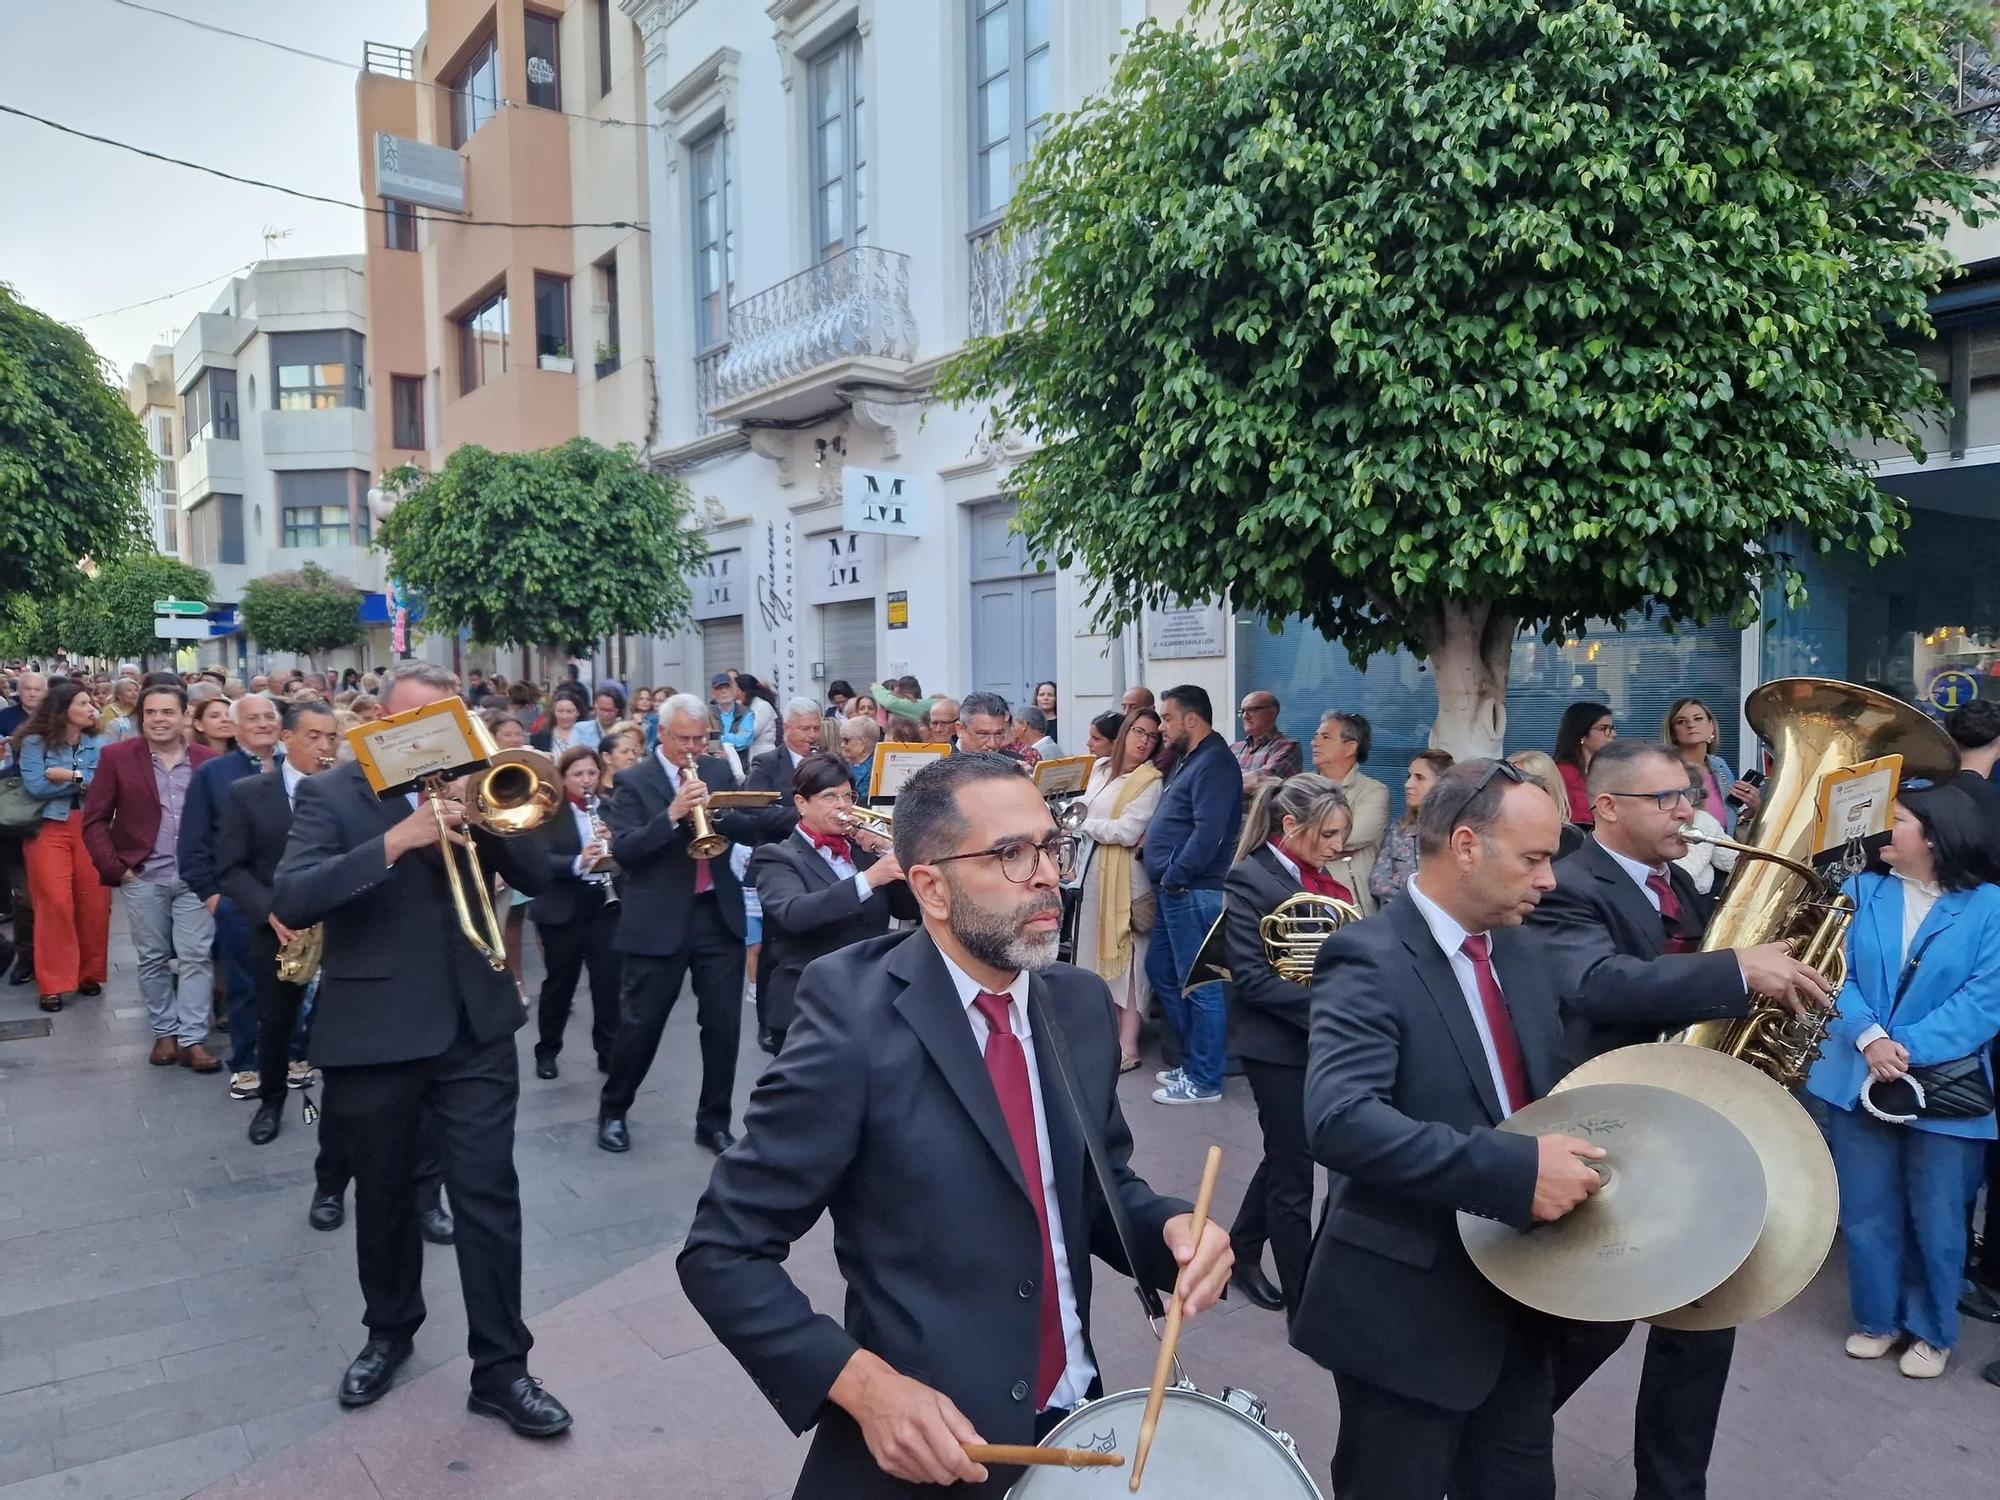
(131, 827)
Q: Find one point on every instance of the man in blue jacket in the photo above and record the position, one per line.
(1189, 846)
(257, 723)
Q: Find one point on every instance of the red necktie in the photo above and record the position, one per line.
(1499, 1024)
(1670, 913)
(1007, 1066)
(704, 882)
(832, 843)
(1316, 882)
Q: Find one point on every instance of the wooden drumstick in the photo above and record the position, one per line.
(1021, 1453)
(1158, 1394)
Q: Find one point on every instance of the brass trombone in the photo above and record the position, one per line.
(515, 793)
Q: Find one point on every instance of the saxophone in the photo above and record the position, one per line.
(1814, 726)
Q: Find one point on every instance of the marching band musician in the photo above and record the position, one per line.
(1431, 1024)
(409, 1014)
(681, 913)
(920, 1091)
(825, 886)
(1293, 828)
(577, 916)
(1623, 928)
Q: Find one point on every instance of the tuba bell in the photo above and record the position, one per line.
(515, 793)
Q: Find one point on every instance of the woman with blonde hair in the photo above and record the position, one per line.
(1115, 901)
(1541, 768)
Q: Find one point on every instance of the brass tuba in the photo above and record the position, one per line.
(1294, 932)
(1814, 725)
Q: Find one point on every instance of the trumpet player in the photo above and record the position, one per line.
(682, 912)
(256, 821)
(1623, 930)
(1293, 830)
(828, 884)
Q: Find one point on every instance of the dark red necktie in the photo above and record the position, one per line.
(1670, 913)
(704, 882)
(832, 843)
(1007, 1066)
(1316, 882)
(1499, 1024)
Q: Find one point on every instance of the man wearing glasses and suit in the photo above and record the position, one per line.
(1623, 931)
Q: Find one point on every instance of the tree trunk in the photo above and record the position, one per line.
(1470, 647)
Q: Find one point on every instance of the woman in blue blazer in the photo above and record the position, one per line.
(1930, 928)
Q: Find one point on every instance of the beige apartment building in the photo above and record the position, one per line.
(507, 114)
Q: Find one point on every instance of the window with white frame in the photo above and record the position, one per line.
(714, 240)
(1009, 57)
(838, 149)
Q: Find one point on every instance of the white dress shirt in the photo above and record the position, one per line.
(1918, 899)
(1078, 1371)
(586, 835)
(1450, 937)
(844, 868)
(292, 780)
(1640, 874)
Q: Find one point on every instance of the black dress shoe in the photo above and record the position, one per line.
(603, 1063)
(328, 1212)
(545, 1067)
(717, 1141)
(369, 1377)
(612, 1134)
(90, 989)
(1249, 1279)
(1977, 1302)
(24, 970)
(435, 1225)
(769, 1040)
(523, 1406)
(267, 1122)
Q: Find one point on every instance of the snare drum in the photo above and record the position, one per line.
(1203, 1449)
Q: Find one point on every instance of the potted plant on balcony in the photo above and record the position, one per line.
(607, 359)
(560, 361)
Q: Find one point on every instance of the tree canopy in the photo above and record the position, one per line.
(73, 458)
(1425, 320)
(307, 613)
(559, 547)
(111, 615)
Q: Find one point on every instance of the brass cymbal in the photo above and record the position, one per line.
(1803, 1194)
(1681, 1207)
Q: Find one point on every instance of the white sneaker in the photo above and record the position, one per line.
(1183, 1092)
(1869, 1345)
(1170, 1076)
(750, 995)
(243, 1085)
(1923, 1361)
(301, 1075)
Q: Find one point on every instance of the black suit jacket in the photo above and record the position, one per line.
(397, 973)
(652, 851)
(1605, 945)
(1268, 1016)
(809, 912)
(256, 820)
(772, 772)
(1401, 1109)
(557, 845)
(879, 1111)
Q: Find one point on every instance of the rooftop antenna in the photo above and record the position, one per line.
(271, 238)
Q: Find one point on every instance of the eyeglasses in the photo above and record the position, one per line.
(942, 723)
(1507, 770)
(1663, 800)
(1019, 859)
(1257, 708)
(1146, 734)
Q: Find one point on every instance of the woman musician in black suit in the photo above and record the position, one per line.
(824, 885)
(576, 915)
(1294, 828)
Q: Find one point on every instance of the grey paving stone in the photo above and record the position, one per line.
(178, 1467)
(97, 1317)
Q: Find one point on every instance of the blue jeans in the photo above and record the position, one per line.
(239, 987)
(1905, 1200)
(1199, 1018)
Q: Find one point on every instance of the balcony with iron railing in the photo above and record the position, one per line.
(792, 345)
(390, 61)
(706, 368)
(1000, 262)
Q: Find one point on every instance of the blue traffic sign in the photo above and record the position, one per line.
(1951, 689)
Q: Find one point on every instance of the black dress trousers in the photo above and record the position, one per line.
(714, 954)
(1681, 1386)
(568, 949)
(1277, 1205)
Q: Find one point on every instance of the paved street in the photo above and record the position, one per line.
(169, 1325)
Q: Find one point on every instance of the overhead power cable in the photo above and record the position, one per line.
(341, 62)
(112, 312)
(276, 187)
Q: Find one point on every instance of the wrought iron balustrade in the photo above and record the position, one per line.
(856, 305)
(1000, 264)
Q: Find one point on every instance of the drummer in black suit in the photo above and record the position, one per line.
(824, 886)
(1293, 828)
(1623, 931)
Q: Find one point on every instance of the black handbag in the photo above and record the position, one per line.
(1955, 1090)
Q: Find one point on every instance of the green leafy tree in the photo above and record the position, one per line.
(556, 548)
(73, 458)
(112, 617)
(307, 613)
(27, 628)
(1427, 321)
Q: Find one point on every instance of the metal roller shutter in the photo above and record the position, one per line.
(847, 644)
(721, 650)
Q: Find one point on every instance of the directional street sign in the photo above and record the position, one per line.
(180, 607)
(181, 630)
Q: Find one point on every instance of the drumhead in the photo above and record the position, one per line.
(1202, 1450)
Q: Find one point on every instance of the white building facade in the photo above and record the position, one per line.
(276, 448)
(827, 179)
(149, 394)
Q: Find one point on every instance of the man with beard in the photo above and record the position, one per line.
(918, 1088)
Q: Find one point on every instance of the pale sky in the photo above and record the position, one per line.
(87, 228)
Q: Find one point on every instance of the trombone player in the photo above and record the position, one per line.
(411, 1015)
(1622, 931)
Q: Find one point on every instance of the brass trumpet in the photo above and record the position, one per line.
(708, 842)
